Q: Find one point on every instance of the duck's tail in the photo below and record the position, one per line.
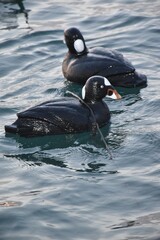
(18, 128)
(129, 80)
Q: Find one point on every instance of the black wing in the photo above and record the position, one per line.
(99, 61)
(65, 113)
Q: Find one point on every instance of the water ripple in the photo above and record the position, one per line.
(65, 187)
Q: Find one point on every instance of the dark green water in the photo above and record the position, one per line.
(66, 187)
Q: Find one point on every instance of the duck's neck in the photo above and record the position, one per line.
(92, 100)
(100, 111)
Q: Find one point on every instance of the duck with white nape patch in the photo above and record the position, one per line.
(67, 114)
(80, 63)
(79, 46)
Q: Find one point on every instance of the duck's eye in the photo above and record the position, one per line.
(102, 86)
(110, 92)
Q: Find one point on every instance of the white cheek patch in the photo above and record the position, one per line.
(83, 92)
(79, 45)
(106, 82)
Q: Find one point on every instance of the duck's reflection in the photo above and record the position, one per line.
(83, 152)
(10, 14)
(59, 141)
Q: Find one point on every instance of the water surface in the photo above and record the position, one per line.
(66, 187)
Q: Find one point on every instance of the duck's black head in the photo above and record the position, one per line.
(75, 41)
(96, 88)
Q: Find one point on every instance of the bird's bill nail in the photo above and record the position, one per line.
(116, 94)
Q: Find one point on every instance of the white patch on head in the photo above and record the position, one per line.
(106, 82)
(83, 92)
(79, 45)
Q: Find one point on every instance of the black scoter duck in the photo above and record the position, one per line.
(67, 114)
(80, 63)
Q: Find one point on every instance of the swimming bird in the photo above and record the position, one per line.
(67, 114)
(80, 63)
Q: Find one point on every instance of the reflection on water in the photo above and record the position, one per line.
(38, 158)
(10, 204)
(10, 17)
(147, 219)
(59, 141)
(65, 150)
